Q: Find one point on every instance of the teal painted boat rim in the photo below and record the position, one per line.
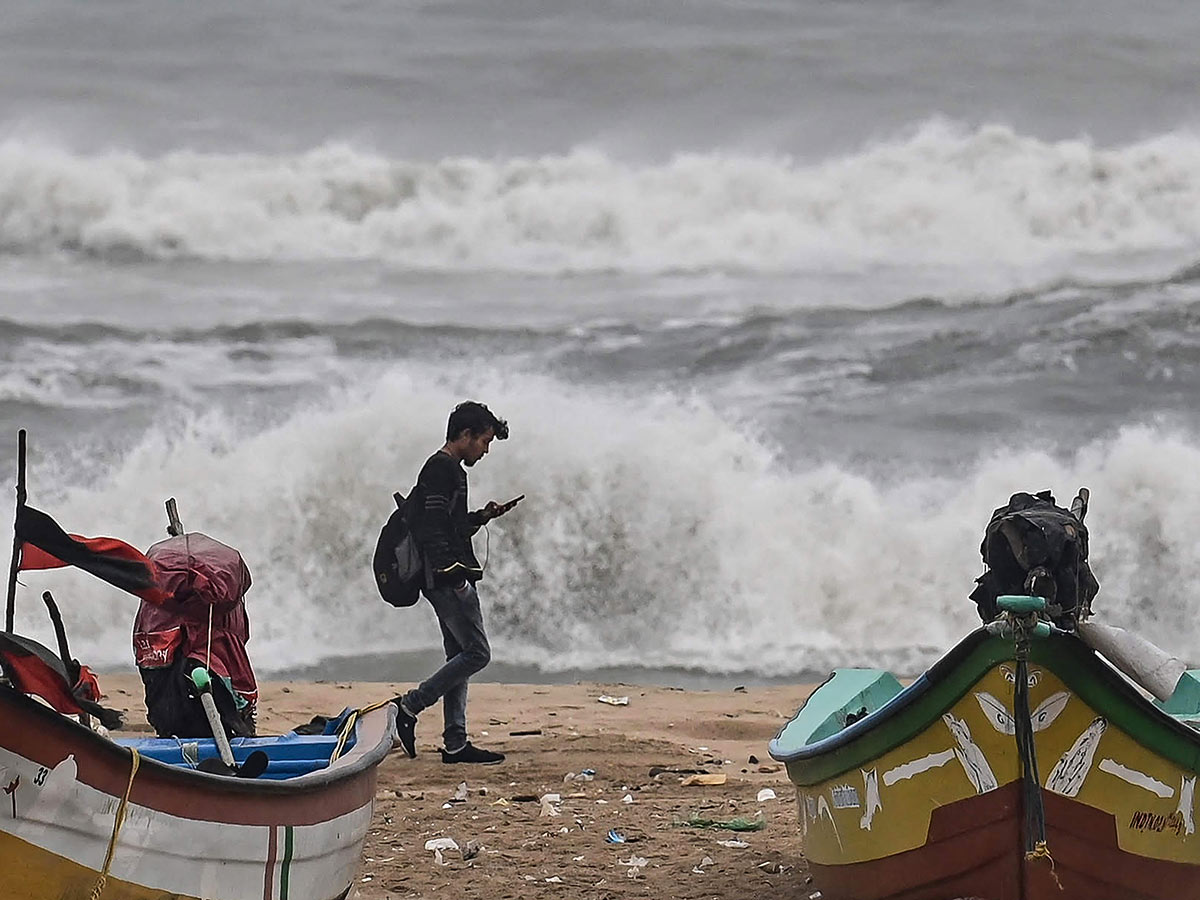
(845, 693)
(939, 672)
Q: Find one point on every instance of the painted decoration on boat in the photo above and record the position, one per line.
(1002, 720)
(1048, 710)
(1136, 778)
(996, 713)
(824, 810)
(974, 763)
(1187, 789)
(1032, 677)
(871, 792)
(1069, 772)
(907, 770)
(55, 789)
(845, 796)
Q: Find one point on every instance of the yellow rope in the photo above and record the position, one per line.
(1041, 851)
(118, 821)
(348, 727)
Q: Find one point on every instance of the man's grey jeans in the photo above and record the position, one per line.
(467, 651)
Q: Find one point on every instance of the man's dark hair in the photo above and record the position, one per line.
(475, 418)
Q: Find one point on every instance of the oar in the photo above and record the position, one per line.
(256, 763)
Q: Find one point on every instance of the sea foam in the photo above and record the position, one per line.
(654, 532)
(940, 194)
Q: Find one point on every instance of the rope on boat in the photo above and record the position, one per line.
(1035, 811)
(1041, 851)
(348, 727)
(118, 821)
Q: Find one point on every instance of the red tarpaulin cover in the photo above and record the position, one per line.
(199, 574)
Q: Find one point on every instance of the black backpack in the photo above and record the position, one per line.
(1034, 546)
(398, 563)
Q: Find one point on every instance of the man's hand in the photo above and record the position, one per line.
(494, 510)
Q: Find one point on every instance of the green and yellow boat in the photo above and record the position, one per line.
(1022, 766)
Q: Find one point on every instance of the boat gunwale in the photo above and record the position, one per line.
(1095, 681)
(359, 759)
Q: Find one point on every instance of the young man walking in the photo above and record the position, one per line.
(444, 528)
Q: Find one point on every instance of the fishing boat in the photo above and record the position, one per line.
(87, 816)
(137, 819)
(1023, 765)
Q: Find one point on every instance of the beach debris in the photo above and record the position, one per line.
(503, 801)
(584, 775)
(460, 793)
(628, 798)
(549, 804)
(525, 732)
(412, 795)
(734, 844)
(773, 867)
(767, 770)
(699, 869)
(765, 794)
(740, 823)
(614, 837)
(554, 879)
(655, 771)
(635, 865)
(713, 779)
(437, 845)
(525, 798)
(740, 689)
(472, 850)
(613, 701)
(753, 760)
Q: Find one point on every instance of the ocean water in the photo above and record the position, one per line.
(780, 300)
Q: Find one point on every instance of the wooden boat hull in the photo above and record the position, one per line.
(925, 797)
(184, 834)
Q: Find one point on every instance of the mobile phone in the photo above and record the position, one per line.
(505, 507)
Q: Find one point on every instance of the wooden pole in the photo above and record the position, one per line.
(10, 608)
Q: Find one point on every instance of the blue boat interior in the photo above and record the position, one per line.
(289, 756)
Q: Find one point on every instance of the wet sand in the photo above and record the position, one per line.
(525, 850)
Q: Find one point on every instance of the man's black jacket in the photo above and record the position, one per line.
(444, 527)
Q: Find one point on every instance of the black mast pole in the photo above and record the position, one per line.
(10, 609)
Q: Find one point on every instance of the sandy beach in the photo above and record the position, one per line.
(526, 848)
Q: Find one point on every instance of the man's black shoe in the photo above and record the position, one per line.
(406, 730)
(472, 754)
